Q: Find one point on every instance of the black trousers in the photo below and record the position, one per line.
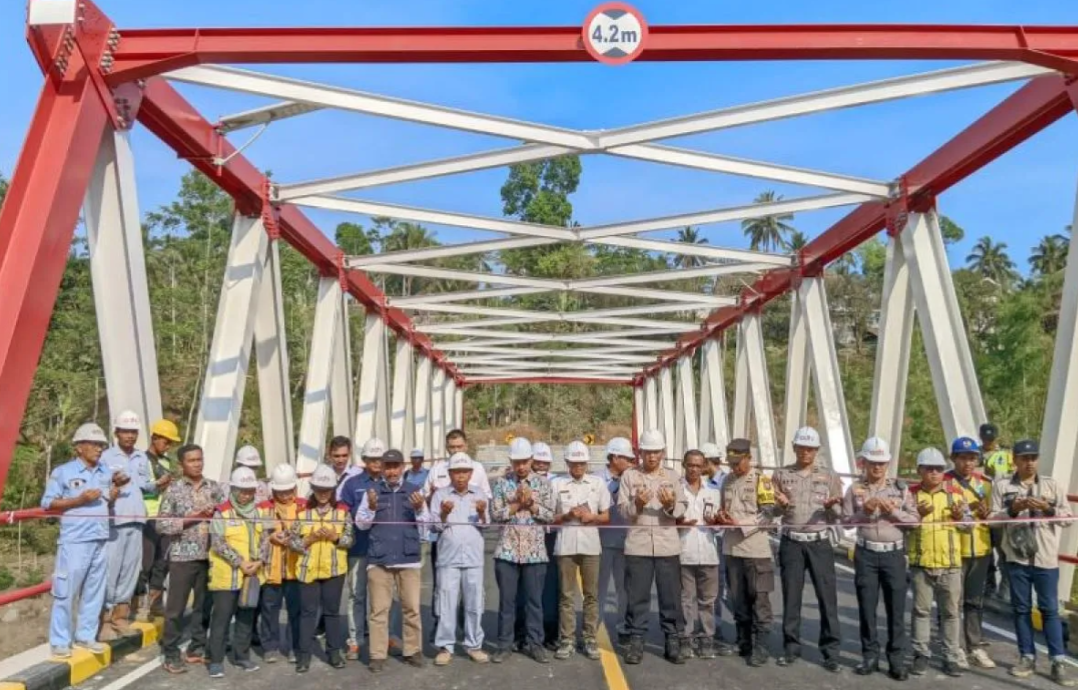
(224, 609)
(818, 558)
(511, 578)
(184, 579)
(873, 573)
(274, 597)
(640, 573)
(154, 559)
(974, 576)
(751, 582)
(321, 596)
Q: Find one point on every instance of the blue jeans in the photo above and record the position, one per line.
(1024, 580)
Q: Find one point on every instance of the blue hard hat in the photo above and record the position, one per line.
(965, 444)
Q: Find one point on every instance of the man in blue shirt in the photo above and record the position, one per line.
(417, 473)
(351, 493)
(81, 490)
(131, 474)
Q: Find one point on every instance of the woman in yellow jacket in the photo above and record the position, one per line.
(280, 586)
(238, 548)
(321, 534)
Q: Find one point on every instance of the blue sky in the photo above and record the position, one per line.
(1027, 194)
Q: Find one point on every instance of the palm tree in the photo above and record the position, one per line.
(1050, 255)
(797, 241)
(991, 261)
(689, 235)
(768, 233)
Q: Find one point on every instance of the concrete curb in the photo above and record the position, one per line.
(57, 674)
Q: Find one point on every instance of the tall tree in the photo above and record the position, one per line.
(768, 233)
(1050, 255)
(797, 241)
(951, 231)
(689, 235)
(990, 260)
(3, 188)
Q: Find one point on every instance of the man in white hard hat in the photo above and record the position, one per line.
(619, 458)
(651, 498)
(281, 588)
(524, 503)
(417, 473)
(809, 500)
(582, 502)
(80, 490)
(879, 506)
(131, 475)
(935, 556)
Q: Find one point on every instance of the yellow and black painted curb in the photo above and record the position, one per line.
(57, 674)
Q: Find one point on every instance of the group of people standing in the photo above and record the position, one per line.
(339, 559)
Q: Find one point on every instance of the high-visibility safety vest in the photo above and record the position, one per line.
(765, 491)
(936, 546)
(159, 466)
(999, 464)
(978, 489)
(323, 559)
(284, 562)
(245, 538)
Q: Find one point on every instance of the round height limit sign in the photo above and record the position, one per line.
(615, 33)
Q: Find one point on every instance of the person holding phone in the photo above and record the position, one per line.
(699, 560)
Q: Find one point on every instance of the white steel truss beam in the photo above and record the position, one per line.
(892, 350)
(437, 415)
(651, 403)
(372, 413)
(598, 338)
(615, 354)
(424, 437)
(958, 393)
(118, 272)
(450, 327)
(686, 437)
(450, 412)
(340, 387)
(742, 413)
(760, 391)
(639, 411)
(797, 378)
(702, 250)
(830, 398)
(316, 398)
(593, 313)
(667, 413)
(217, 424)
(458, 408)
(402, 422)
(264, 115)
(713, 420)
(548, 367)
(561, 375)
(271, 353)
(418, 301)
(591, 336)
(528, 360)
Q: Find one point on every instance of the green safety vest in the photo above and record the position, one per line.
(999, 463)
(159, 467)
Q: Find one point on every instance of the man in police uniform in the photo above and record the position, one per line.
(82, 490)
(748, 504)
(809, 499)
(878, 505)
(998, 464)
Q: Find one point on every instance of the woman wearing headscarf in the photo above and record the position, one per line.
(238, 548)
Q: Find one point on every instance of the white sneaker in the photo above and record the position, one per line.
(980, 658)
(961, 661)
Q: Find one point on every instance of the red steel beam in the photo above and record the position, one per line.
(176, 122)
(1029, 110)
(146, 52)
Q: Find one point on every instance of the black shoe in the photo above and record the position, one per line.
(500, 656)
(674, 652)
(831, 665)
(635, 653)
(303, 664)
(415, 660)
(724, 649)
(899, 673)
(759, 656)
(951, 669)
(787, 659)
(623, 640)
(336, 660)
(377, 665)
(868, 666)
(920, 665)
(538, 654)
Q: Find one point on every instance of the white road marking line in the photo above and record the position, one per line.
(131, 677)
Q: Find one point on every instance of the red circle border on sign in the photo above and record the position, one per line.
(625, 7)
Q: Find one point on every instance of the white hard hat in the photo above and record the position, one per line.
(710, 450)
(460, 461)
(324, 477)
(576, 452)
(620, 445)
(243, 478)
(90, 433)
(373, 448)
(283, 478)
(127, 421)
(875, 450)
(520, 449)
(807, 437)
(652, 439)
(931, 457)
(416, 453)
(248, 456)
(541, 452)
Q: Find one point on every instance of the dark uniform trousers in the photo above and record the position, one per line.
(874, 572)
(819, 559)
(751, 582)
(640, 573)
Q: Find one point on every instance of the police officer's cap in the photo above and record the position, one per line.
(1026, 447)
(738, 447)
(391, 456)
(988, 432)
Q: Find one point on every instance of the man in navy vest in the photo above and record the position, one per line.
(394, 512)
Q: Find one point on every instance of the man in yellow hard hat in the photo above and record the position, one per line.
(151, 587)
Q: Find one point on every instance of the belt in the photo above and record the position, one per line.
(806, 537)
(879, 546)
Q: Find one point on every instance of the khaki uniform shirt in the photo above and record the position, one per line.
(1047, 533)
(877, 526)
(807, 490)
(653, 531)
(739, 500)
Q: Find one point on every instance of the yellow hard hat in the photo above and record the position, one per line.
(165, 429)
(509, 438)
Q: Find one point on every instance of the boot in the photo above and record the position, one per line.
(759, 654)
(121, 618)
(635, 653)
(106, 633)
(675, 654)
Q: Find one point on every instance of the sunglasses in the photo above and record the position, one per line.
(932, 469)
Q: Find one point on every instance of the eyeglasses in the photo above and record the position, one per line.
(932, 469)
